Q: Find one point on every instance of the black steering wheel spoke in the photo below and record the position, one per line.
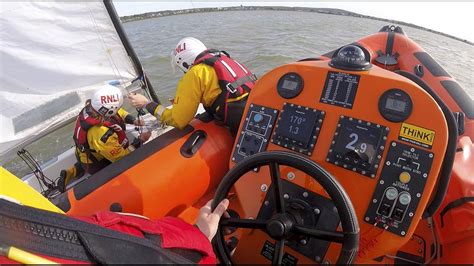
(278, 252)
(277, 187)
(337, 237)
(243, 223)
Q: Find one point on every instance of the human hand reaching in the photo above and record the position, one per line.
(137, 100)
(139, 122)
(144, 136)
(208, 221)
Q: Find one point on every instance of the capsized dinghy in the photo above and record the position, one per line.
(360, 156)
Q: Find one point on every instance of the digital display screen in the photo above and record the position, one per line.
(297, 124)
(289, 85)
(358, 143)
(395, 105)
(340, 89)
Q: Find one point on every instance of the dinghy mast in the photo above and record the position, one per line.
(128, 47)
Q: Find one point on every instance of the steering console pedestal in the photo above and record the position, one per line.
(288, 219)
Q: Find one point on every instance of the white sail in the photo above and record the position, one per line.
(52, 55)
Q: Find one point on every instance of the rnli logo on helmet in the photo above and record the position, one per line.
(109, 98)
(181, 47)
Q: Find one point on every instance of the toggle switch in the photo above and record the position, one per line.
(397, 214)
(385, 209)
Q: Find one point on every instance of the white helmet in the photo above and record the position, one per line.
(107, 100)
(186, 52)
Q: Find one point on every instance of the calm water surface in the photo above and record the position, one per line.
(262, 40)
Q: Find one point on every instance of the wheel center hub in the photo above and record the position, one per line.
(280, 226)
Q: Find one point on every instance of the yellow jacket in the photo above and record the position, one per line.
(105, 147)
(199, 85)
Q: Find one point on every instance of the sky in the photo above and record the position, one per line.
(454, 18)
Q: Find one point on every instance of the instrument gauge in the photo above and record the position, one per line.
(395, 105)
(290, 85)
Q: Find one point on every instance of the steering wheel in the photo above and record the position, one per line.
(282, 225)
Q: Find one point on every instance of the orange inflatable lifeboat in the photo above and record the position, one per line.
(363, 155)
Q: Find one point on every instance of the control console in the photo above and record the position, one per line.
(374, 131)
(256, 132)
(400, 188)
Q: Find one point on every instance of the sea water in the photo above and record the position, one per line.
(263, 40)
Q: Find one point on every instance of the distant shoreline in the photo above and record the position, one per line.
(330, 11)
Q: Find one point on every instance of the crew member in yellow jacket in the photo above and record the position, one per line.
(99, 134)
(212, 78)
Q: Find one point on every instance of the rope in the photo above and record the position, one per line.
(36, 169)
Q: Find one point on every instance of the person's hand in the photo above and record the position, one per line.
(139, 122)
(137, 100)
(144, 136)
(208, 221)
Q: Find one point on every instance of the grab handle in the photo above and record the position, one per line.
(193, 143)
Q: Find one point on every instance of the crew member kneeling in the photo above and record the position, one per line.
(212, 78)
(99, 133)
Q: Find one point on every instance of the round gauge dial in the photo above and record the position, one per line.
(395, 105)
(290, 85)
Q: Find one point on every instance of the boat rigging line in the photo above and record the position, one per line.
(36, 169)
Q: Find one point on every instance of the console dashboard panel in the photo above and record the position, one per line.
(368, 180)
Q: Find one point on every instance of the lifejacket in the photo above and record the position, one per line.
(84, 122)
(235, 81)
